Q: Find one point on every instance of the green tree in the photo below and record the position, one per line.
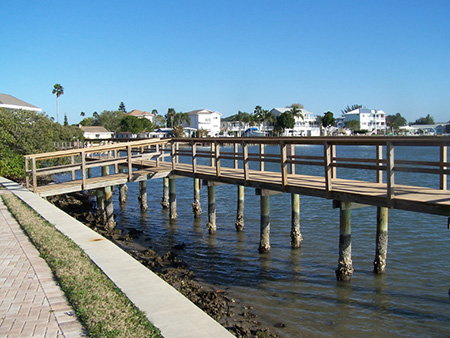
(66, 121)
(425, 120)
(131, 124)
(88, 121)
(296, 111)
(284, 121)
(26, 132)
(328, 119)
(350, 108)
(122, 108)
(169, 117)
(110, 119)
(264, 116)
(180, 118)
(395, 121)
(58, 90)
(352, 124)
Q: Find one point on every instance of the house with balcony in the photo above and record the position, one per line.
(372, 120)
(204, 119)
(306, 126)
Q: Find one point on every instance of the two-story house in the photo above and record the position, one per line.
(372, 120)
(205, 119)
(306, 126)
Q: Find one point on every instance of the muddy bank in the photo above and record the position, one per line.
(239, 319)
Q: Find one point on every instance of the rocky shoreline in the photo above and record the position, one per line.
(239, 319)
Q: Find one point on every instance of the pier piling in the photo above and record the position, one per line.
(211, 225)
(143, 195)
(165, 198)
(264, 243)
(296, 236)
(123, 189)
(379, 264)
(196, 207)
(240, 209)
(172, 199)
(344, 271)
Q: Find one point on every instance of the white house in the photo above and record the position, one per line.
(205, 119)
(11, 102)
(369, 119)
(96, 133)
(142, 114)
(306, 126)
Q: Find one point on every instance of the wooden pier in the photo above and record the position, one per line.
(246, 162)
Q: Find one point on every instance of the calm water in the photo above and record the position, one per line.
(298, 287)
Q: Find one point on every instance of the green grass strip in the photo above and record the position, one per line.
(102, 308)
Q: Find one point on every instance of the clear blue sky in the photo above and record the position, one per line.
(228, 55)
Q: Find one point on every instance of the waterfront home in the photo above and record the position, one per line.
(13, 103)
(142, 114)
(372, 120)
(306, 126)
(204, 119)
(96, 133)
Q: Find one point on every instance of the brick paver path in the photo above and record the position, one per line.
(31, 303)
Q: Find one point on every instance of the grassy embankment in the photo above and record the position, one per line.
(102, 308)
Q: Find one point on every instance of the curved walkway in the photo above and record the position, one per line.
(165, 307)
(32, 304)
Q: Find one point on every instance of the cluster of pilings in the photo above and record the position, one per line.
(345, 268)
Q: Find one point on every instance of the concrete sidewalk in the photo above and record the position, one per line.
(164, 306)
(31, 303)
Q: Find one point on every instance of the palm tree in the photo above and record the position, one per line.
(170, 117)
(240, 116)
(58, 90)
(183, 117)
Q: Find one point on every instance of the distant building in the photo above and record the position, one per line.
(11, 102)
(372, 120)
(142, 114)
(306, 126)
(96, 133)
(205, 119)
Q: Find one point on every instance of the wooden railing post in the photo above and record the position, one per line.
(158, 155)
(130, 164)
(245, 160)
(443, 176)
(217, 157)
(83, 169)
(284, 179)
(173, 151)
(72, 161)
(194, 157)
(261, 152)
(27, 178)
(328, 166)
(236, 162)
(212, 153)
(33, 173)
(379, 163)
(390, 172)
(333, 167)
(291, 155)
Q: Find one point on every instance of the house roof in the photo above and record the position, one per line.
(11, 102)
(94, 129)
(202, 111)
(137, 112)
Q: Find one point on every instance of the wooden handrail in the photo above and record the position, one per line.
(241, 150)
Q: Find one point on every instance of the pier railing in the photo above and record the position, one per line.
(246, 154)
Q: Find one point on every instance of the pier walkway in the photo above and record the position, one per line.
(165, 307)
(247, 162)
